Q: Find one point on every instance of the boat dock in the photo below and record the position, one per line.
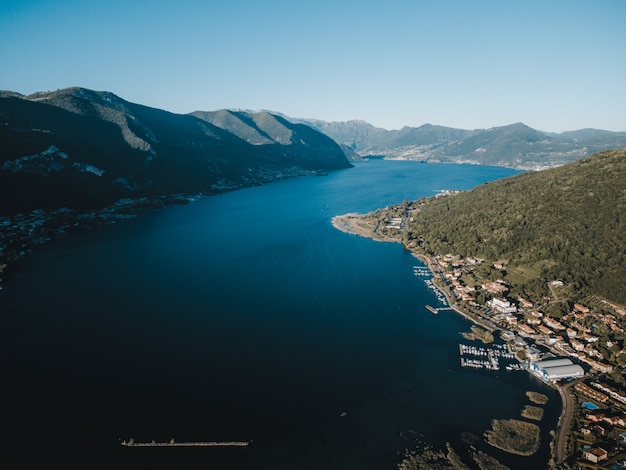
(437, 310)
(440, 297)
(422, 271)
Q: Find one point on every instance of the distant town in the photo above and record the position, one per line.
(21, 233)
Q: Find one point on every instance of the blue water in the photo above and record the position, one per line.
(247, 316)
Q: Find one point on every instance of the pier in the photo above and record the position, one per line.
(437, 310)
(172, 443)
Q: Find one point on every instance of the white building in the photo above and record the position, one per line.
(552, 370)
(501, 305)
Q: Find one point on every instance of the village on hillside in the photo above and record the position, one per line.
(591, 336)
(579, 347)
(583, 349)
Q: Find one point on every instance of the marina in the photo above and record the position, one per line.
(479, 364)
(422, 271)
(440, 297)
(487, 357)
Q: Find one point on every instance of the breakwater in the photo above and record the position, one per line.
(172, 443)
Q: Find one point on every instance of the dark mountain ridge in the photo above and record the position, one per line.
(266, 130)
(85, 149)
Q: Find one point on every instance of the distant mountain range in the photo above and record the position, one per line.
(515, 146)
(75, 158)
(85, 149)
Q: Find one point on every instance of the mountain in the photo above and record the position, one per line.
(516, 145)
(298, 143)
(354, 134)
(565, 223)
(423, 135)
(85, 149)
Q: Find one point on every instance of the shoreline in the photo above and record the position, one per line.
(347, 224)
(21, 233)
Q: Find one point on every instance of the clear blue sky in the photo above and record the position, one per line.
(554, 65)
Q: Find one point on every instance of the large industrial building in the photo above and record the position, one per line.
(555, 369)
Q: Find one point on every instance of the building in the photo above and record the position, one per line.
(582, 308)
(544, 330)
(597, 365)
(506, 318)
(501, 305)
(495, 287)
(533, 353)
(526, 330)
(614, 393)
(519, 343)
(552, 323)
(551, 370)
(591, 393)
(595, 454)
(396, 222)
(507, 335)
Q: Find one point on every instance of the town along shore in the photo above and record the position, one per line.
(381, 226)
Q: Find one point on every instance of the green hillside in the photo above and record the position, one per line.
(567, 223)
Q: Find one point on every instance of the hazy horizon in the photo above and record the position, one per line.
(554, 66)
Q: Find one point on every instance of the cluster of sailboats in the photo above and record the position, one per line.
(476, 357)
(486, 357)
(440, 297)
(421, 271)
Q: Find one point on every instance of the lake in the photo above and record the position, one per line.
(247, 316)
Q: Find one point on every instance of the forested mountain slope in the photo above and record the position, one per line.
(566, 223)
(85, 149)
(297, 143)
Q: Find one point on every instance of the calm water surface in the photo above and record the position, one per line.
(246, 316)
